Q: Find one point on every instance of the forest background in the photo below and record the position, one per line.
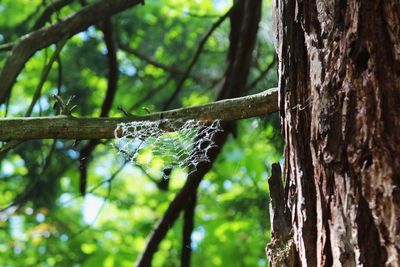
(152, 57)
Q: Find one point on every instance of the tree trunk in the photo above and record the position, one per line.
(339, 82)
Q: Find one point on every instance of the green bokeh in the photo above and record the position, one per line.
(57, 227)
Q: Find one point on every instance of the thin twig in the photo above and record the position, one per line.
(151, 93)
(7, 147)
(188, 226)
(94, 188)
(178, 204)
(242, 33)
(171, 69)
(262, 75)
(46, 70)
(59, 75)
(40, 22)
(23, 197)
(52, 7)
(43, 77)
(105, 199)
(7, 47)
(196, 57)
(112, 86)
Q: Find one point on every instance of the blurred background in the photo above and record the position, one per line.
(45, 220)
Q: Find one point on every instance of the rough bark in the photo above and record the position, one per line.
(339, 69)
(281, 248)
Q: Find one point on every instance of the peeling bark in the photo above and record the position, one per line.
(339, 67)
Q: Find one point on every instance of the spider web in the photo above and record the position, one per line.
(152, 143)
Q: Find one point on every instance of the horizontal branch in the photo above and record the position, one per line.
(67, 127)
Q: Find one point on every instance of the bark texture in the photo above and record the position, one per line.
(339, 69)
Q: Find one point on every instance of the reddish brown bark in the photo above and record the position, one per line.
(339, 67)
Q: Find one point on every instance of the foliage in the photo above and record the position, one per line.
(108, 227)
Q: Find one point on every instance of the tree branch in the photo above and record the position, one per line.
(262, 75)
(7, 47)
(26, 46)
(196, 57)
(179, 203)
(48, 11)
(24, 196)
(188, 226)
(41, 21)
(12, 144)
(43, 77)
(234, 84)
(112, 86)
(171, 69)
(150, 94)
(67, 127)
